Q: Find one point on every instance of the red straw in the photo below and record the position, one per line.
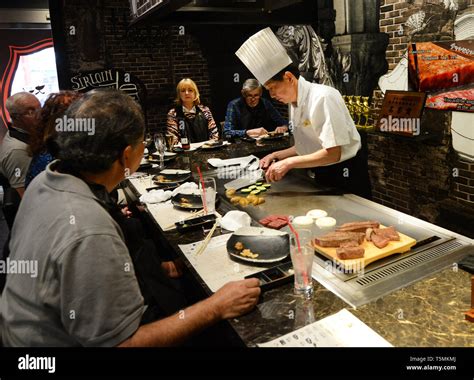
(305, 275)
(296, 236)
(204, 203)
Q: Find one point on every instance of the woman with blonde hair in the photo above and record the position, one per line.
(200, 125)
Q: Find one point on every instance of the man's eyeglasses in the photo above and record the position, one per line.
(252, 96)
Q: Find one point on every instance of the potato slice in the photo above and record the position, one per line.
(261, 200)
(243, 202)
(235, 200)
(229, 193)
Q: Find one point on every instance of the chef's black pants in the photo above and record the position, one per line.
(351, 176)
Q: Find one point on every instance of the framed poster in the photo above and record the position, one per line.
(401, 112)
(446, 71)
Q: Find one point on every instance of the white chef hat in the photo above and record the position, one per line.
(264, 55)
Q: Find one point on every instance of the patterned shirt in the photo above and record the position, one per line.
(233, 117)
(37, 165)
(191, 114)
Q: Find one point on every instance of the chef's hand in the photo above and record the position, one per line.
(277, 171)
(282, 129)
(266, 161)
(257, 132)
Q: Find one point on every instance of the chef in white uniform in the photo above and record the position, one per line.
(325, 135)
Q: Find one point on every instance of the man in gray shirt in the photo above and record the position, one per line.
(84, 292)
(23, 108)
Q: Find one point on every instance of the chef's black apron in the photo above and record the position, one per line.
(253, 118)
(351, 175)
(197, 128)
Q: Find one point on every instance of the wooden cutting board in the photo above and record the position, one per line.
(372, 253)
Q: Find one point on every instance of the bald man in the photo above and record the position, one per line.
(23, 108)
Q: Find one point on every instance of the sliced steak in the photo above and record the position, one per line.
(379, 241)
(358, 226)
(347, 253)
(335, 239)
(368, 234)
(274, 221)
(351, 243)
(388, 233)
(277, 224)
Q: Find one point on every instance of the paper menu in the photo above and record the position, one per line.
(214, 265)
(342, 329)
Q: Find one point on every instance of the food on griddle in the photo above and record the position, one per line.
(274, 221)
(335, 239)
(349, 253)
(389, 233)
(244, 202)
(358, 226)
(235, 200)
(229, 193)
(249, 253)
(239, 246)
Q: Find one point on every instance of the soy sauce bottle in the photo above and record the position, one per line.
(183, 134)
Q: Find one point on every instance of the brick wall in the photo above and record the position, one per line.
(159, 55)
(392, 20)
(421, 178)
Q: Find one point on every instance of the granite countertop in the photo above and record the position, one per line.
(428, 313)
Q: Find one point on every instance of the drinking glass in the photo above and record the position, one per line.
(208, 194)
(302, 255)
(160, 145)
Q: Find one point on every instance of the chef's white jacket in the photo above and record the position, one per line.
(321, 120)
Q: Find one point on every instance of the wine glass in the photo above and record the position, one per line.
(160, 145)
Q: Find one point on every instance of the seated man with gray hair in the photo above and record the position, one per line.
(251, 115)
(23, 108)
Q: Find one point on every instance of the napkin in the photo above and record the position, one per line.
(186, 188)
(234, 220)
(156, 196)
(235, 162)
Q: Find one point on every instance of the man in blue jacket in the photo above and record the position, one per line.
(251, 115)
